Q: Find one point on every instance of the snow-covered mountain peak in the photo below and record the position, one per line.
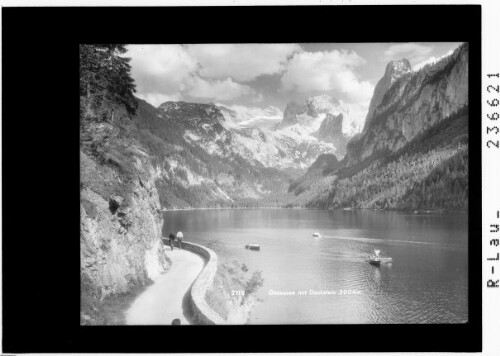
(307, 117)
(251, 116)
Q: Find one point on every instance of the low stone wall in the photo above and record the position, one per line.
(203, 314)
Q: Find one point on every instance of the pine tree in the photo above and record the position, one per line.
(105, 81)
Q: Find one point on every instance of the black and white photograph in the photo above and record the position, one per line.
(234, 177)
(277, 183)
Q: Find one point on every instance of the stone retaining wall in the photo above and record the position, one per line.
(202, 313)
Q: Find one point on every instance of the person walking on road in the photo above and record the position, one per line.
(180, 236)
(171, 239)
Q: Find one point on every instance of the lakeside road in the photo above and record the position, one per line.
(162, 302)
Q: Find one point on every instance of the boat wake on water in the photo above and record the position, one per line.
(390, 241)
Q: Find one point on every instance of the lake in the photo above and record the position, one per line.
(327, 280)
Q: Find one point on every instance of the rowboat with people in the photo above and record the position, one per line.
(376, 259)
(254, 246)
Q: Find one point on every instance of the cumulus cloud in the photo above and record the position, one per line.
(327, 71)
(224, 72)
(412, 51)
(241, 62)
(171, 73)
(160, 69)
(222, 90)
(258, 98)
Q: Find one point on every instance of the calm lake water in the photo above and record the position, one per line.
(425, 283)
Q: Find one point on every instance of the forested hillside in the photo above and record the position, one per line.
(410, 156)
(430, 174)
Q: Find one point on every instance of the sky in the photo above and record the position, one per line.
(262, 75)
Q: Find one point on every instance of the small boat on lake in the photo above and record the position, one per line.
(316, 234)
(376, 259)
(254, 246)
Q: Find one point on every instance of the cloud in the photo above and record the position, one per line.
(222, 90)
(355, 119)
(157, 98)
(160, 69)
(171, 73)
(331, 71)
(258, 98)
(220, 72)
(431, 60)
(241, 62)
(412, 51)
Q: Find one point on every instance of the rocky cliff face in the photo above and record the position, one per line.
(320, 118)
(311, 108)
(120, 218)
(291, 112)
(415, 102)
(393, 71)
(412, 155)
(331, 126)
(331, 131)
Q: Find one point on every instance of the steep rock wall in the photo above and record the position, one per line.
(393, 71)
(414, 103)
(120, 218)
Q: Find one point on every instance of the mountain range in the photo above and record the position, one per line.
(410, 153)
(209, 154)
(217, 155)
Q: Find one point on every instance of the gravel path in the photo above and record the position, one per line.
(165, 300)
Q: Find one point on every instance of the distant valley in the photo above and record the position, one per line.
(210, 156)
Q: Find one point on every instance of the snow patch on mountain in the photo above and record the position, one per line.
(431, 61)
(306, 119)
(251, 116)
(192, 136)
(279, 150)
